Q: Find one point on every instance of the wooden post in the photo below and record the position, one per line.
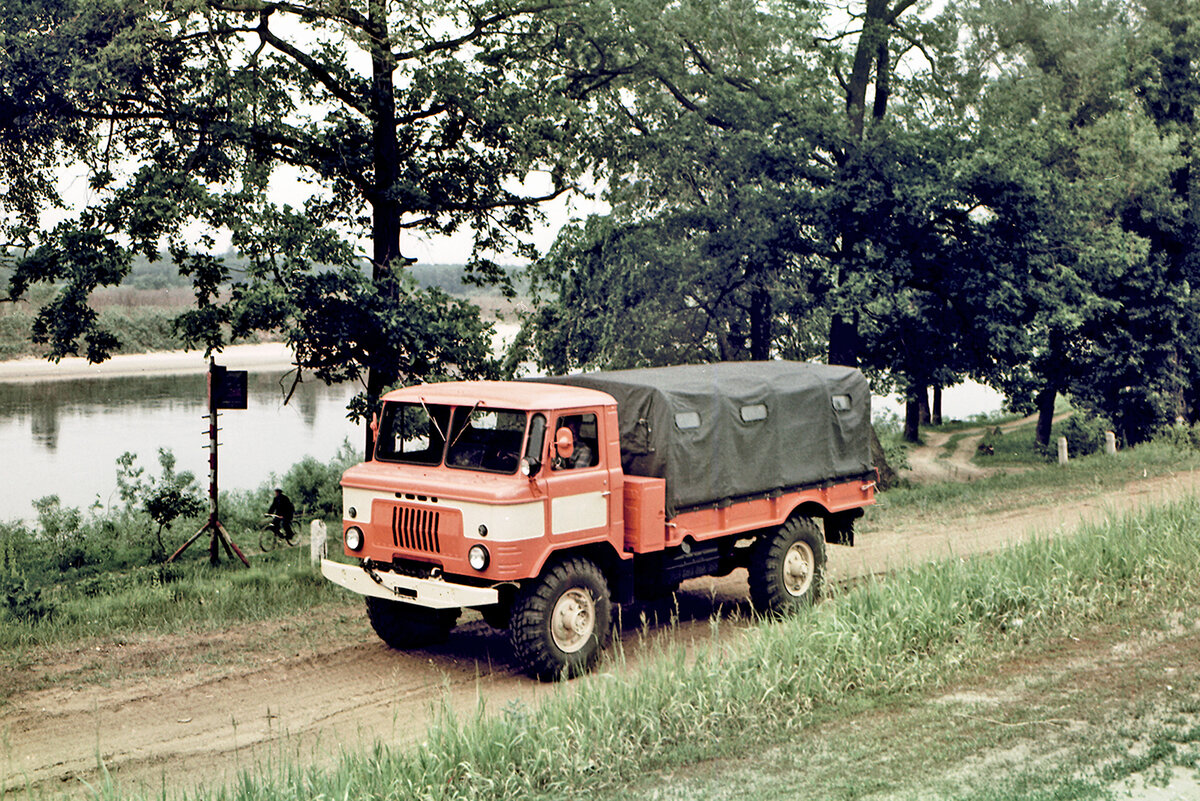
(316, 542)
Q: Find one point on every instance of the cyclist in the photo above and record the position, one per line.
(282, 511)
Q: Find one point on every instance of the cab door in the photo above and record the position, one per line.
(578, 485)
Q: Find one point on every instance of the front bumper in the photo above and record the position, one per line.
(433, 593)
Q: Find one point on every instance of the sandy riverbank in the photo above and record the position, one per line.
(266, 357)
(270, 356)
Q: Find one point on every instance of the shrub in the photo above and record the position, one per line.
(23, 602)
(1180, 437)
(1084, 433)
(889, 428)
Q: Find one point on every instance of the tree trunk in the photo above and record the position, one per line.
(936, 418)
(760, 324)
(912, 417)
(385, 211)
(1045, 407)
(923, 415)
(870, 58)
(843, 341)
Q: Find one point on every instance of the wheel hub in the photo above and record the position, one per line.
(573, 620)
(798, 568)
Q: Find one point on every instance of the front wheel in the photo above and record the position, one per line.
(561, 621)
(267, 539)
(404, 626)
(787, 567)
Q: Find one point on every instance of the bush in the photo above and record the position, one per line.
(1180, 437)
(1085, 433)
(889, 428)
(23, 602)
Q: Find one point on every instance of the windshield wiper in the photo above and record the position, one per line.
(432, 419)
(458, 436)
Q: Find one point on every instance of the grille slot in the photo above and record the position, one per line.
(416, 529)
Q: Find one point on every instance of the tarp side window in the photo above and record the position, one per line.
(754, 413)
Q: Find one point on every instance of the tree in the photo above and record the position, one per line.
(1068, 153)
(165, 498)
(704, 254)
(393, 115)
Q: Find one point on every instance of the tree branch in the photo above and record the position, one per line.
(318, 71)
(688, 104)
(346, 14)
(478, 29)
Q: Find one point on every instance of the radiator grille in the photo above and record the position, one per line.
(415, 529)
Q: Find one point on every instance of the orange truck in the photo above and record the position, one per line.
(542, 503)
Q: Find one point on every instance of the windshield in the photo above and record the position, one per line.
(486, 439)
(412, 433)
(479, 439)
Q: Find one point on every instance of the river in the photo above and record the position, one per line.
(63, 437)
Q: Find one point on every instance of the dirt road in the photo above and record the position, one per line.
(177, 729)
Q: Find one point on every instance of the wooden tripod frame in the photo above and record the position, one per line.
(219, 534)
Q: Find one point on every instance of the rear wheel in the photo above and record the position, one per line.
(404, 626)
(787, 568)
(561, 621)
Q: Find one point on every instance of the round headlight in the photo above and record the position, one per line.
(478, 557)
(354, 538)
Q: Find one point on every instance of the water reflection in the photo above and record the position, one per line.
(63, 437)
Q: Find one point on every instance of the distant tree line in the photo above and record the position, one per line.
(452, 279)
(1002, 190)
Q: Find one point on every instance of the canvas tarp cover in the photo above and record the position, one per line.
(802, 440)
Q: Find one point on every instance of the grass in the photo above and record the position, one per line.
(870, 646)
(169, 598)
(990, 419)
(1086, 476)
(184, 600)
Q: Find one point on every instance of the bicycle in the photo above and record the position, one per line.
(271, 533)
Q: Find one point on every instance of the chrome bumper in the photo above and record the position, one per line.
(432, 593)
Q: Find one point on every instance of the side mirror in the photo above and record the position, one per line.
(564, 443)
(374, 426)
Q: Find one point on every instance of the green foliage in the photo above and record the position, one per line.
(1085, 433)
(394, 126)
(164, 498)
(82, 571)
(1179, 436)
(24, 604)
(890, 430)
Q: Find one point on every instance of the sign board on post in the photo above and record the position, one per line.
(228, 388)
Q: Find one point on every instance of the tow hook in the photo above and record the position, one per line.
(375, 578)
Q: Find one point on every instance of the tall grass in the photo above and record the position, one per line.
(161, 599)
(1086, 476)
(81, 574)
(912, 631)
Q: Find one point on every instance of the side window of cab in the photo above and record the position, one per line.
(585, 450)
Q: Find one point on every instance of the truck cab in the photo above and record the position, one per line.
(468, 482)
